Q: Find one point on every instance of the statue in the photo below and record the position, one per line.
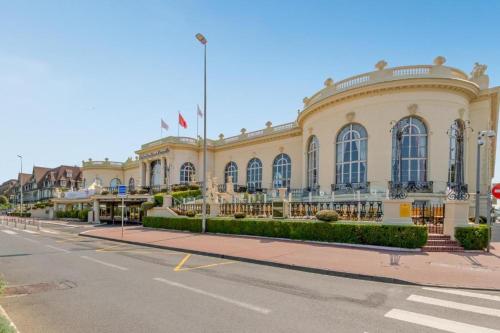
(478, 70)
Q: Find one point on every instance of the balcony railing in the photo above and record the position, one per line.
(351, 187)
(411, 187)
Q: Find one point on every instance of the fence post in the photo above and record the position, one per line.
(15, 222)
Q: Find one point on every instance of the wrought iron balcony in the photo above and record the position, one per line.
(412, 186)
(458, 191)
(351, 187)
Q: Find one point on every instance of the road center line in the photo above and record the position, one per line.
(219, 297)
(436, 322)
(105, 263)
(464, 293)
(58, 248)
(455, 305)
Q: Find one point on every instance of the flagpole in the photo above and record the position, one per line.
(197, 124)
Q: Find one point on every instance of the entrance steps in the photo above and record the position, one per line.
(441, 243)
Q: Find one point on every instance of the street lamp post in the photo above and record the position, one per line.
(203, 41)
(21, 182)
(481, 142)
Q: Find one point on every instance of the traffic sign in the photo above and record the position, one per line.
(495, 191)
(122, 191)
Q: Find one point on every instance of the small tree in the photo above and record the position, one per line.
(3, 200)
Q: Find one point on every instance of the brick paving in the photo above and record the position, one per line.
(479, 270)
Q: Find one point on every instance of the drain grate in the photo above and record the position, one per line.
(29, 289)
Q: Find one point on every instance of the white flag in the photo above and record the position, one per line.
(164, 125)
(200, 114)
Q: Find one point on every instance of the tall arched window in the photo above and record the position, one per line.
(156, 173)
(456, 166)
(254, 174)
(231, 169)
(409, 151)
(312, 163)
(113, 184)
(282, 171)
(131, 184)
(187, 173)
(351, 155)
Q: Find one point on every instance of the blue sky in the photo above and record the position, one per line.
(82, 79)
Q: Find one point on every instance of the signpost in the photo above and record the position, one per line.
(122, 193)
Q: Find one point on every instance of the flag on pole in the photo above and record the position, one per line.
(182, 121)
(164, 125)
(200, 113)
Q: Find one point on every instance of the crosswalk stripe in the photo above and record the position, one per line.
(437, 323)
(454, 305)
(10, 232)
(50, 231)
(31, 231)
(464, 293)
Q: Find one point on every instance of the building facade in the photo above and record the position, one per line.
(410, 127)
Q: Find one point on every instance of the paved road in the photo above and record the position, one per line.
(60, 282)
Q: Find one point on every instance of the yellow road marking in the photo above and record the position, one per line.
(179, 266)
(181, 263)
(206, 266)
(118, 248)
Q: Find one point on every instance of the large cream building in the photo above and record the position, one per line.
(412, 126)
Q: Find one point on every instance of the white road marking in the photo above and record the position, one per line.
(454, 305)
(10, 232)
(58, 248)
(50, 231)
(437, 323)
(219, 297)
(464, 293)
(105, 263)
(31, 232)
(30, 240)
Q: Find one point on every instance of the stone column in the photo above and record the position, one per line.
(162, 172)
(456, 214)
(148, 173)
(397, 211)
(141, 173)
(96, 212)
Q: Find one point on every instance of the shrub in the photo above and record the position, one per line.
(186, 194)
(132, 192)
(105, 192)
(472, 238)
(158, 200)
(3, 200)
(239, 215)
(175, 223)
(190, 213)
(147, 205)
(83, 214)
(327, 215)
(142, 191)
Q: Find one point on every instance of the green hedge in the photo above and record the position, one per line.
(371, 234)
(472, 238)
(18, 214)
(175, 223)
(186, 194)
(73, 214)
(158, 200)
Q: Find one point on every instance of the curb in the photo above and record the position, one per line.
(322, 271)
(6, 316)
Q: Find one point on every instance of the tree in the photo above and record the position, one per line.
(3, 200)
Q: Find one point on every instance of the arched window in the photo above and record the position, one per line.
(231, 170)
(351, 155)
(98, 181)
(456, 166)
(409, 151)
(113, 184)
(312, 163)
(187, 173)
(131, 184)
(155, 173)
(254, 174)
(282, 171)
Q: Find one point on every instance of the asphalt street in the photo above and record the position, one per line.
(61, 282)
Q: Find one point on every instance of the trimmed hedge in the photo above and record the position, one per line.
(158, 200)
(179, 195)
(473, 237)
(73, 214)
(407, 236)
(176, 223)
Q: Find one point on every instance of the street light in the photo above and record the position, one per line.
(21, 182)
(203, 41)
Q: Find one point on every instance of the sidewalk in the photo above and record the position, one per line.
(461, 270)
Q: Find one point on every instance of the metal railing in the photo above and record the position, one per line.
(429, 214)
(363, 210)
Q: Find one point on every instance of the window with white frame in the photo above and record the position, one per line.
(254, 174)
(351, 155)
(187, 173)
(312, 162)
(282, 171)
(231, 170)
